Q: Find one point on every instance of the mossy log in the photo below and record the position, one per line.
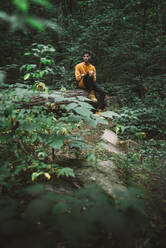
(57, 97)
(30, 98)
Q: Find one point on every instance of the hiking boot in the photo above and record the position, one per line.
(99, 113)
(92, 96)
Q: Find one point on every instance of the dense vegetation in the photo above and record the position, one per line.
(41, 42)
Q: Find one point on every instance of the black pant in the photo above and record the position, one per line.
(90, 85)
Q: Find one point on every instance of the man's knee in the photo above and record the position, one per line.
(88, 82)
(100, 89)
(81, 85)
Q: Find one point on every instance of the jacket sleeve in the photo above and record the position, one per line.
(94, 78)
(77, 73)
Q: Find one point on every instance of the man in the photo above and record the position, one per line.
(85, 74)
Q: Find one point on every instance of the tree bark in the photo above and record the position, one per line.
(41, 99)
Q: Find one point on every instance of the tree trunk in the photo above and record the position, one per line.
(43, 98)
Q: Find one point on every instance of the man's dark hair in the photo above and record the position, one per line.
(86, 52)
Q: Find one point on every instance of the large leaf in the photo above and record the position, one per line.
(23, 5)
(34, 137)
(4, 16)
(86, 105)
(29, 127)
(91, 122)
(27, 76)
(59, 208)
(59, 98)
(110, 114)
(71, 106)
(41, 74)
(83, 111)
(35, 189)
(36, 209)
(43, 3)
(35, 175)
(58, 142)
(83, 98)
(66, 172)
(35, 23)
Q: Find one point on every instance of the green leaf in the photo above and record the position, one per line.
(36, 174)
(35, 189)
(41, 74)
(27, 99)
(34, 87)
(71, 106)
(102, 121)
(123, 128)
(35, 23)
(82, 111)
(109, 114)
(9, 109)
(23, 5)
(61, 98)
(66, 172)
(59, 208)
(57, 143)
(36, 209)
(83, 98)
(26, 76)
(27, 54)
(41, 155)
(18, 169)
(30, 127)
(43, 3)
(28, 67)
(4, 16)
(92, 157)
(91, 122)
(86, 105)
(34, 137)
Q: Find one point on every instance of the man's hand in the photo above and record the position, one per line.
(91, 73)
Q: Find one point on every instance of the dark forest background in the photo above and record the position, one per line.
(126, 38)
(41, 42)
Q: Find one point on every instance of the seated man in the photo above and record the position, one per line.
(85, 74)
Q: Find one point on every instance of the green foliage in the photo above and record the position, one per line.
(27, 135)
(127, 162)
(146, 118)
(153, 153)
(147, 156)
(43, 57)
(43, 3)
(35, 23)
(127, 40)
(68, 172)
(23, 16)
(23, 5)
(88, 215)
(44, 67)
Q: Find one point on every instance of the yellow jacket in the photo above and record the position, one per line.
(82, 68)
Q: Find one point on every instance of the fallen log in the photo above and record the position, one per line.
(57, 97)
(28, 98)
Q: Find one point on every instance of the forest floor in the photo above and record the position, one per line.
(153, 182)
(110, 168)
(108, 174)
